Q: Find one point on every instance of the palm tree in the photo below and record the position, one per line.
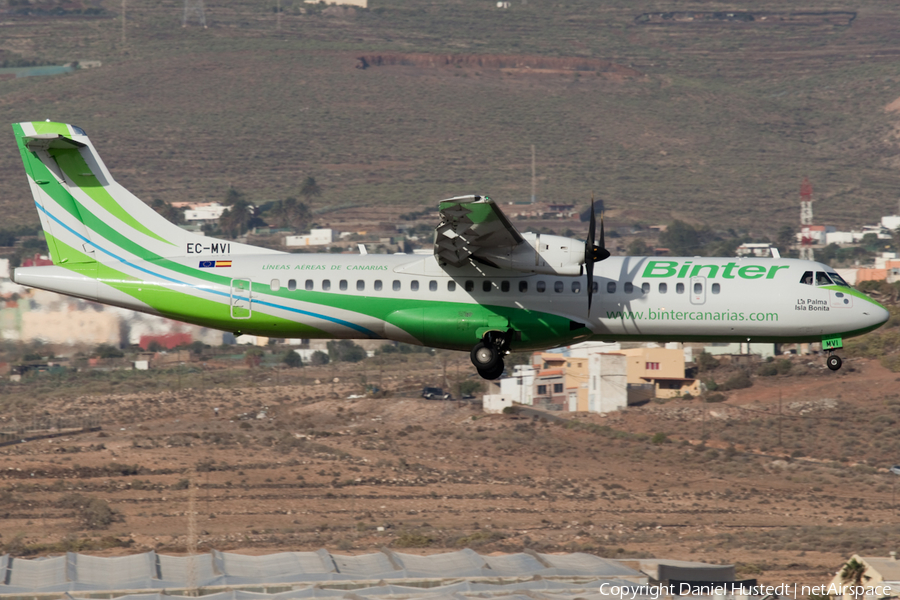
(294, 214)
(854, 572)
(235, 220)
(310, 188)
(168, 211)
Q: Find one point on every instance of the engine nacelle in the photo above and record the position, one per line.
(545, 254)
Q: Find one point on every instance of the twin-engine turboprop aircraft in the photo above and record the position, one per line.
(488, 289)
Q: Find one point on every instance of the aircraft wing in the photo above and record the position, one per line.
(469, 225)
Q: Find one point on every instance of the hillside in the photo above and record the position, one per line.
(664, 118)
(786, 478)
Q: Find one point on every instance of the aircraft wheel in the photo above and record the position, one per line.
(486, 357)
(492, 374)
(833, 361)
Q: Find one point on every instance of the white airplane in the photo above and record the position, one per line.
(488, 289)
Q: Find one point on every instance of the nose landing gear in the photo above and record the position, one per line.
(487, 355)
(833, 361)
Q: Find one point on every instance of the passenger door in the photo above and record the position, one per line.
(241, 299)
(698, 290)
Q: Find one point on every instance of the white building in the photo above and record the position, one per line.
(316, 237)
(843, 237)
(761, 250)
(890, 222)
(204, 213)
(360, 3)
(607, 383)
(520, 387)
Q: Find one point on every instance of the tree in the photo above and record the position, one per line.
(235, 220)
(292, 359)
(233, 196)
(319, 358)
(345, 351)
(310, 188)
(854, 572)
(681, 238)
(253, 356)
(637, 247)
(168, 212)
(786, 239)
(107, 351)
(706, 362)
(292, 213)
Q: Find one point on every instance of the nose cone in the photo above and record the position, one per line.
(873, 315)
(878, 315)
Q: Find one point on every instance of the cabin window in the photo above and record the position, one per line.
(470, 285)
(611, 287)
(679, 288)
(451, 286)
(275, 285)
(343, 285)
(823, 279)
(292, 284)
(698, 288)
(486, 285)
(576, 287)
(504, 286)
(326, 285)
(308, 284)
(629, 287)
(396, 286)
(360, 285)
(838, 279)
(523, 286)
(558, 286)
(716, 288)
(432, 286)
(807, 278)
(377, 285)
(595, 287)
(663, 288)
(645, 287)
(541, 286)
(414, 285)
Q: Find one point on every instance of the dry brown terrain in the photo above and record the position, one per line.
(320, 470)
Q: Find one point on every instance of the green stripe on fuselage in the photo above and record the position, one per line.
(166, 299)
(853, 292)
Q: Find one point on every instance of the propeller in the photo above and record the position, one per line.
(593, 253)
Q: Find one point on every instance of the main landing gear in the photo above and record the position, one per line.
(487, 355)
(833, 361)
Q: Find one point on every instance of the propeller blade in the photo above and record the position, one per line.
(589, 269)
(589, 253)
(592, 231)
(601, 253)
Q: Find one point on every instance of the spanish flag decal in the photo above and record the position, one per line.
(209, 264)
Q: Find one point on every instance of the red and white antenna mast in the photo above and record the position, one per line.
(806, 219)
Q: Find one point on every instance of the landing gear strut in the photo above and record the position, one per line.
(487, 355)
(833, 362)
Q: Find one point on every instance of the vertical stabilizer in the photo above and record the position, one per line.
(87, 216)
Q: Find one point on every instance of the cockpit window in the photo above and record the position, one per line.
(823, 279)
(78, 130)
(807, 278)
(838, 279)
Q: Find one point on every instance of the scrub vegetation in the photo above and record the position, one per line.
(791, 471)
(712, 122)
